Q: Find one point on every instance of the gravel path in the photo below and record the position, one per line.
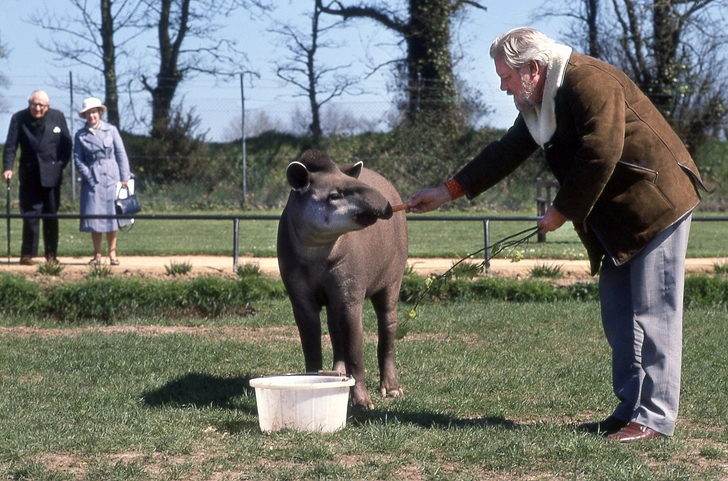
(147, 266)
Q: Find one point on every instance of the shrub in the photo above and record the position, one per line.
(720, 269)
(178, 268)
(50, 268)
(19, 296)
(249, 270)
(704, 291)
(97, 299)
(546, 271)
(109, 300)
(98, 271)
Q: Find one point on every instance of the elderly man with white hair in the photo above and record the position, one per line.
(628, 185)
(45, 150)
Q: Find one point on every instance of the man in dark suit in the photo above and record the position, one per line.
(45, 149)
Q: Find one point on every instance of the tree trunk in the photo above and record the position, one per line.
(430, 93)
(315, 126)
(109, 59)
(666, 30)
(592, 23)
(169, 77)
(430, 83)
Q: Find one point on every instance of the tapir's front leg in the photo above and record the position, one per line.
(345, 328)
(308, 319)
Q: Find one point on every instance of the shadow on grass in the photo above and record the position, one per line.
(429, 420)
(202, 390)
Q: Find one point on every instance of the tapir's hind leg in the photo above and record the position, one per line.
(385, 306)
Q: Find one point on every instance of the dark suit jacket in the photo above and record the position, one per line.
(41, 161)
(624, 174)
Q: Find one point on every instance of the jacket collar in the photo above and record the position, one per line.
(90, 138)
(541, 120)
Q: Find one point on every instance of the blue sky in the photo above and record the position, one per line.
(218, 103)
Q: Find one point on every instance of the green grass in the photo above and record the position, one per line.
(492, 391)
(258, 237)
(546, 271)
(176, 268)
(50, 268)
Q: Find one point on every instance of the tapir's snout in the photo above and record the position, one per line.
(369, 216)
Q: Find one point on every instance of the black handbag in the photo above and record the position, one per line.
(127, 206)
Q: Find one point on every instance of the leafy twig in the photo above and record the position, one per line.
(509, 243)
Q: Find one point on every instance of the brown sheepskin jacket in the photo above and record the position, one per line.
(624, 174)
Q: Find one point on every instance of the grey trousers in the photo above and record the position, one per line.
(641, 306)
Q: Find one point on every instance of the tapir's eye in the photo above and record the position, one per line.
(335, 196)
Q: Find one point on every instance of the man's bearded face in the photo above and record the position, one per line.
(524, 98)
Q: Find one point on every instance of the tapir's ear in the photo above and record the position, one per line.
(298, 176)
(352, 170)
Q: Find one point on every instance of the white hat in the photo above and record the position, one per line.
(92, 103)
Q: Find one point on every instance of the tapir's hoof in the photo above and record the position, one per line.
(362, 405)
(391, 392)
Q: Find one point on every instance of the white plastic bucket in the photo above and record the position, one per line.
(305, 402)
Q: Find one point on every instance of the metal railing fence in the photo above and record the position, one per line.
(236, 218)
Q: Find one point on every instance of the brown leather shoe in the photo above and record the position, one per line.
(605, 427)
(634, 432)
(27, 261)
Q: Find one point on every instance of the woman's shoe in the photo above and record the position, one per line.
(114, 262)
(96, 261)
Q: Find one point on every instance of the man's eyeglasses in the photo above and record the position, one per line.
(39, 106)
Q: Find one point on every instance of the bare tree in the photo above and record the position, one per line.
(3, 79)
(94, 38)
(583, 28)
(179, 23)
(320, 84)
(673, 49)
(429, 87)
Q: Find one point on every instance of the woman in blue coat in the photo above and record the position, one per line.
(101, 162)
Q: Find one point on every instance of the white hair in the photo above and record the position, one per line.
(522, 45)
(39, 93)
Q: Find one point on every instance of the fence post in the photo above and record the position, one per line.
(73, 164)
(486, 231)
(242, 129)
(544, 202)
(236, 236)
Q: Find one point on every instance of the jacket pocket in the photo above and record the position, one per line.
(631, 202)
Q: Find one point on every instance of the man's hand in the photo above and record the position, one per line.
(8, 174)
(552, 220)
(428, 199)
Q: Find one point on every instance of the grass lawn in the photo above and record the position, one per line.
(492, 391)
(258, 237)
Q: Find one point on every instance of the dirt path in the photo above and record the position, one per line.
(156, 267)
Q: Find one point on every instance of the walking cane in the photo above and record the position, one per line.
(7, 208)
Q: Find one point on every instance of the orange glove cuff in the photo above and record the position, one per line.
(455, 188)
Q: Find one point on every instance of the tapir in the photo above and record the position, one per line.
(339, 243)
